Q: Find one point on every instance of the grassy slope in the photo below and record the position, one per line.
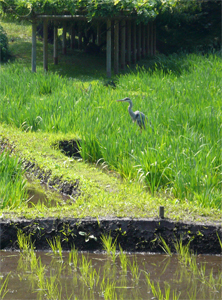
(103, 195)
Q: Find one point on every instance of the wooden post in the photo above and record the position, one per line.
(123, 45)
(108, 48)
(45, 45)
(116, 46)
(139, 42)
(143, 40)
(134, 43)
(98, 34)
(34, 25)
(161, 212)
(55, 45)
(73, 35)
(64, 39)
(148, 39)
(151, 39)
(129, 33)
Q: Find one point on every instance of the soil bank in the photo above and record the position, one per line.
(134, 235)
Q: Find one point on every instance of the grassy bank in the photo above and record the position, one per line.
(181, 95)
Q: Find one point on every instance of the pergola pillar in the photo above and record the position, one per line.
(139, 42)
(55, 45)
(79, 37)
(134, 42)
(64, 50)
(123, 45)
(143, 40)
(98, 34)
(128, 43)
(151, 39)
(45, 45)
(73, 35)
(34, 26)
(108, 48)
(154, 38)
(116, 47)
(148, 39)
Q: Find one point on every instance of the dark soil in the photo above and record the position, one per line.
(141, 235)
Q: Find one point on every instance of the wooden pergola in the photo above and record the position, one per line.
(130, 41)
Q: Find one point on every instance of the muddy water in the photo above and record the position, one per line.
(165, 271)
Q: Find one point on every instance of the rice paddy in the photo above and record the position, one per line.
(109, 275)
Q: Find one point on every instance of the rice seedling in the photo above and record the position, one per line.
(108, 281)
(109, 246)
(123, 260)
(165, 247)
(4, 286)
(56, 246)
(134, 270)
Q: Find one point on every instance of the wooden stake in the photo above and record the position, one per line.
(161, 212)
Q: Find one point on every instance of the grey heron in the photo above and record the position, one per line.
(136, 116)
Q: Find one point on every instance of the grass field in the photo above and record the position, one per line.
(181, 96)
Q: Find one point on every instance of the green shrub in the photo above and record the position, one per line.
(4, 51)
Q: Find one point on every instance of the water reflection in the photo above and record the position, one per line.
(43, 275)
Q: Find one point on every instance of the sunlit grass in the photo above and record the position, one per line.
(181, 157)
(180, 94)
(12, 183)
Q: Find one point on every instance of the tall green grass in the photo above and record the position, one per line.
(12, 182)
(181, 96)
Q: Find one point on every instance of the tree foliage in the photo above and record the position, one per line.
(143, 9)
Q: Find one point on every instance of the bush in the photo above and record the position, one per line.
(4, 51)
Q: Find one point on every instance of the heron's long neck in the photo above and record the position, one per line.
(132, 114)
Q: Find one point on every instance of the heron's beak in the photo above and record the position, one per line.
(120, 100)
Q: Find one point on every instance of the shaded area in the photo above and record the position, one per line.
(133, 234)
(70, 148)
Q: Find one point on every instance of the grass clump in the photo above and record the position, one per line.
(12, 183)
